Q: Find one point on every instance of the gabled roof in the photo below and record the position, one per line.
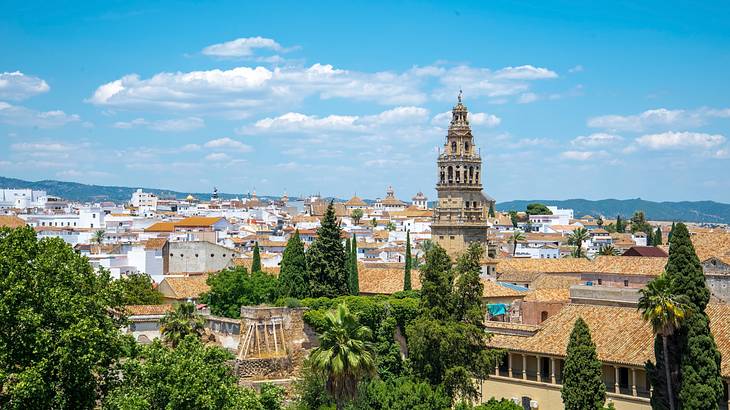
(155, 243)
(195, 221)
(651, 251)
(138, 310)
(161, 227)
(11, 221)
(498, 290)
(184, 287)
(356, 201)
(385, 281)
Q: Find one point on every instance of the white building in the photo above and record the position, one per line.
(420, 201)
(144, 201)
(22, 198)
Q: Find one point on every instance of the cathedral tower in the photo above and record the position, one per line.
(460, 217)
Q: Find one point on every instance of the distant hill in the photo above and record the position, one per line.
(698, 211)
(94, 193)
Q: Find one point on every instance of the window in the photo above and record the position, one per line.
(224, 255)
(543, 316)
(600, 281)
(626, 283)
(623, 377)
(441, 237)
(453, 147)
(451, 237)
(212, 255)
(182, 256)
(172, 254)
(196, 255)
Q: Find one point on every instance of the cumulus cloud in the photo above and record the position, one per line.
(657, 119)
(582, 155)
(45, 146)
(527, 98)
(217, 156)
(26, 117)
(18, 86)
(680, 140)
(173, 125)
(228, 143)
(247, 89)
(242, 47)
(596, 139)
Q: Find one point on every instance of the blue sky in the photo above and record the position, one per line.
(568, 100)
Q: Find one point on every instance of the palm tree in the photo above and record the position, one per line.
(344, 355)
(98, 239)
(517, 236)
(180, 323)
(577, 238)
(608, 250)
(665, 311)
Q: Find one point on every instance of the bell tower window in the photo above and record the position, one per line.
(453, 147)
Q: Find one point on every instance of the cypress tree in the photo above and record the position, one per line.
(700, 383)
(658, 236)
(583, 387)
(256, 262)
(354, 280)
(407, 270)
(468, 288)
(620, 226)
(328, 264)
(669, 236)
(491, 210)
(649, 237)
(293, 273)
(436, 283)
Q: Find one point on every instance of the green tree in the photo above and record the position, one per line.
(232, 288)
(390, 227)
(669, 236)
(513, 217)
(181, 322)
(538, 209)
(58, 340)
(344, 355)
(356, 215)
(354, 275)
(98, 238)
(137, 289)
(620, 225)
(665, 312)
(517, 236)
(699, 365)
(293, 269)
(407, 268)
(492, 214)
(327, 261)
(577, 238)
(436, 283)
(583, 387)
(191, 376)
(658, 236)
(403, 393)
(256, 262)
(374, 222)
(608, 250)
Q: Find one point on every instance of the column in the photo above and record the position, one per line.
(266, 338)
(615, 384)
(539, 373)
(276, 344)
(552, 370)
(509, 364)
(633, 382)
(496, 368)
(524, 367)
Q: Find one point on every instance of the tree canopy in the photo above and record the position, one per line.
(235, 287)
(137, 289)
(538, 209)
(293, 272)
(583, 387)
(326, 259)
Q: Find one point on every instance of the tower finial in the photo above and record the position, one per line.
(460, 93)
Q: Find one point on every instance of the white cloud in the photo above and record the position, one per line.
(582, 155)
(527, 98)
(680, 140)
(45, 146)
(18, 86)
(596, 139)
(475, 118)
(576, 69)
(217, 156)
(657, 119)
(173, 125)
(190, 148)
(26, 117)
(243, 90)
(242, 47)
(228, 143)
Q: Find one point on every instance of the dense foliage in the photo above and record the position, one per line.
(328, 272)
(191, 376)
(175, 326)
(447, 342)
(137, 289)
(232, 288)
(583, 387)
(256, 261)
(293, 269)
(57, 339)
(353, 280)
(409, 262)
(537, 209)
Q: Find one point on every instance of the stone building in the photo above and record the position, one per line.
(460, 217)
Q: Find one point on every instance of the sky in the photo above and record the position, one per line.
(566, 99)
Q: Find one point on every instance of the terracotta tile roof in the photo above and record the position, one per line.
(548, 295)
(709, 244)
(720, 326)
(554, 281)
(185, 287)
(516, 276)
(161, 227)
(148, 309)
(562, 265)
(413, 212)
(629, 265)
(195, 221)
(646, 251)
(155, 243)
(385, 281)
(11, 221)
(356, 201)
(495, 290)
(246, 262)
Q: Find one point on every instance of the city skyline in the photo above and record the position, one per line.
(623, 103)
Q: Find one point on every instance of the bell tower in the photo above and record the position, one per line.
(460, 217)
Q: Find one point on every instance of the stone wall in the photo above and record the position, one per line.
(717, 276)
